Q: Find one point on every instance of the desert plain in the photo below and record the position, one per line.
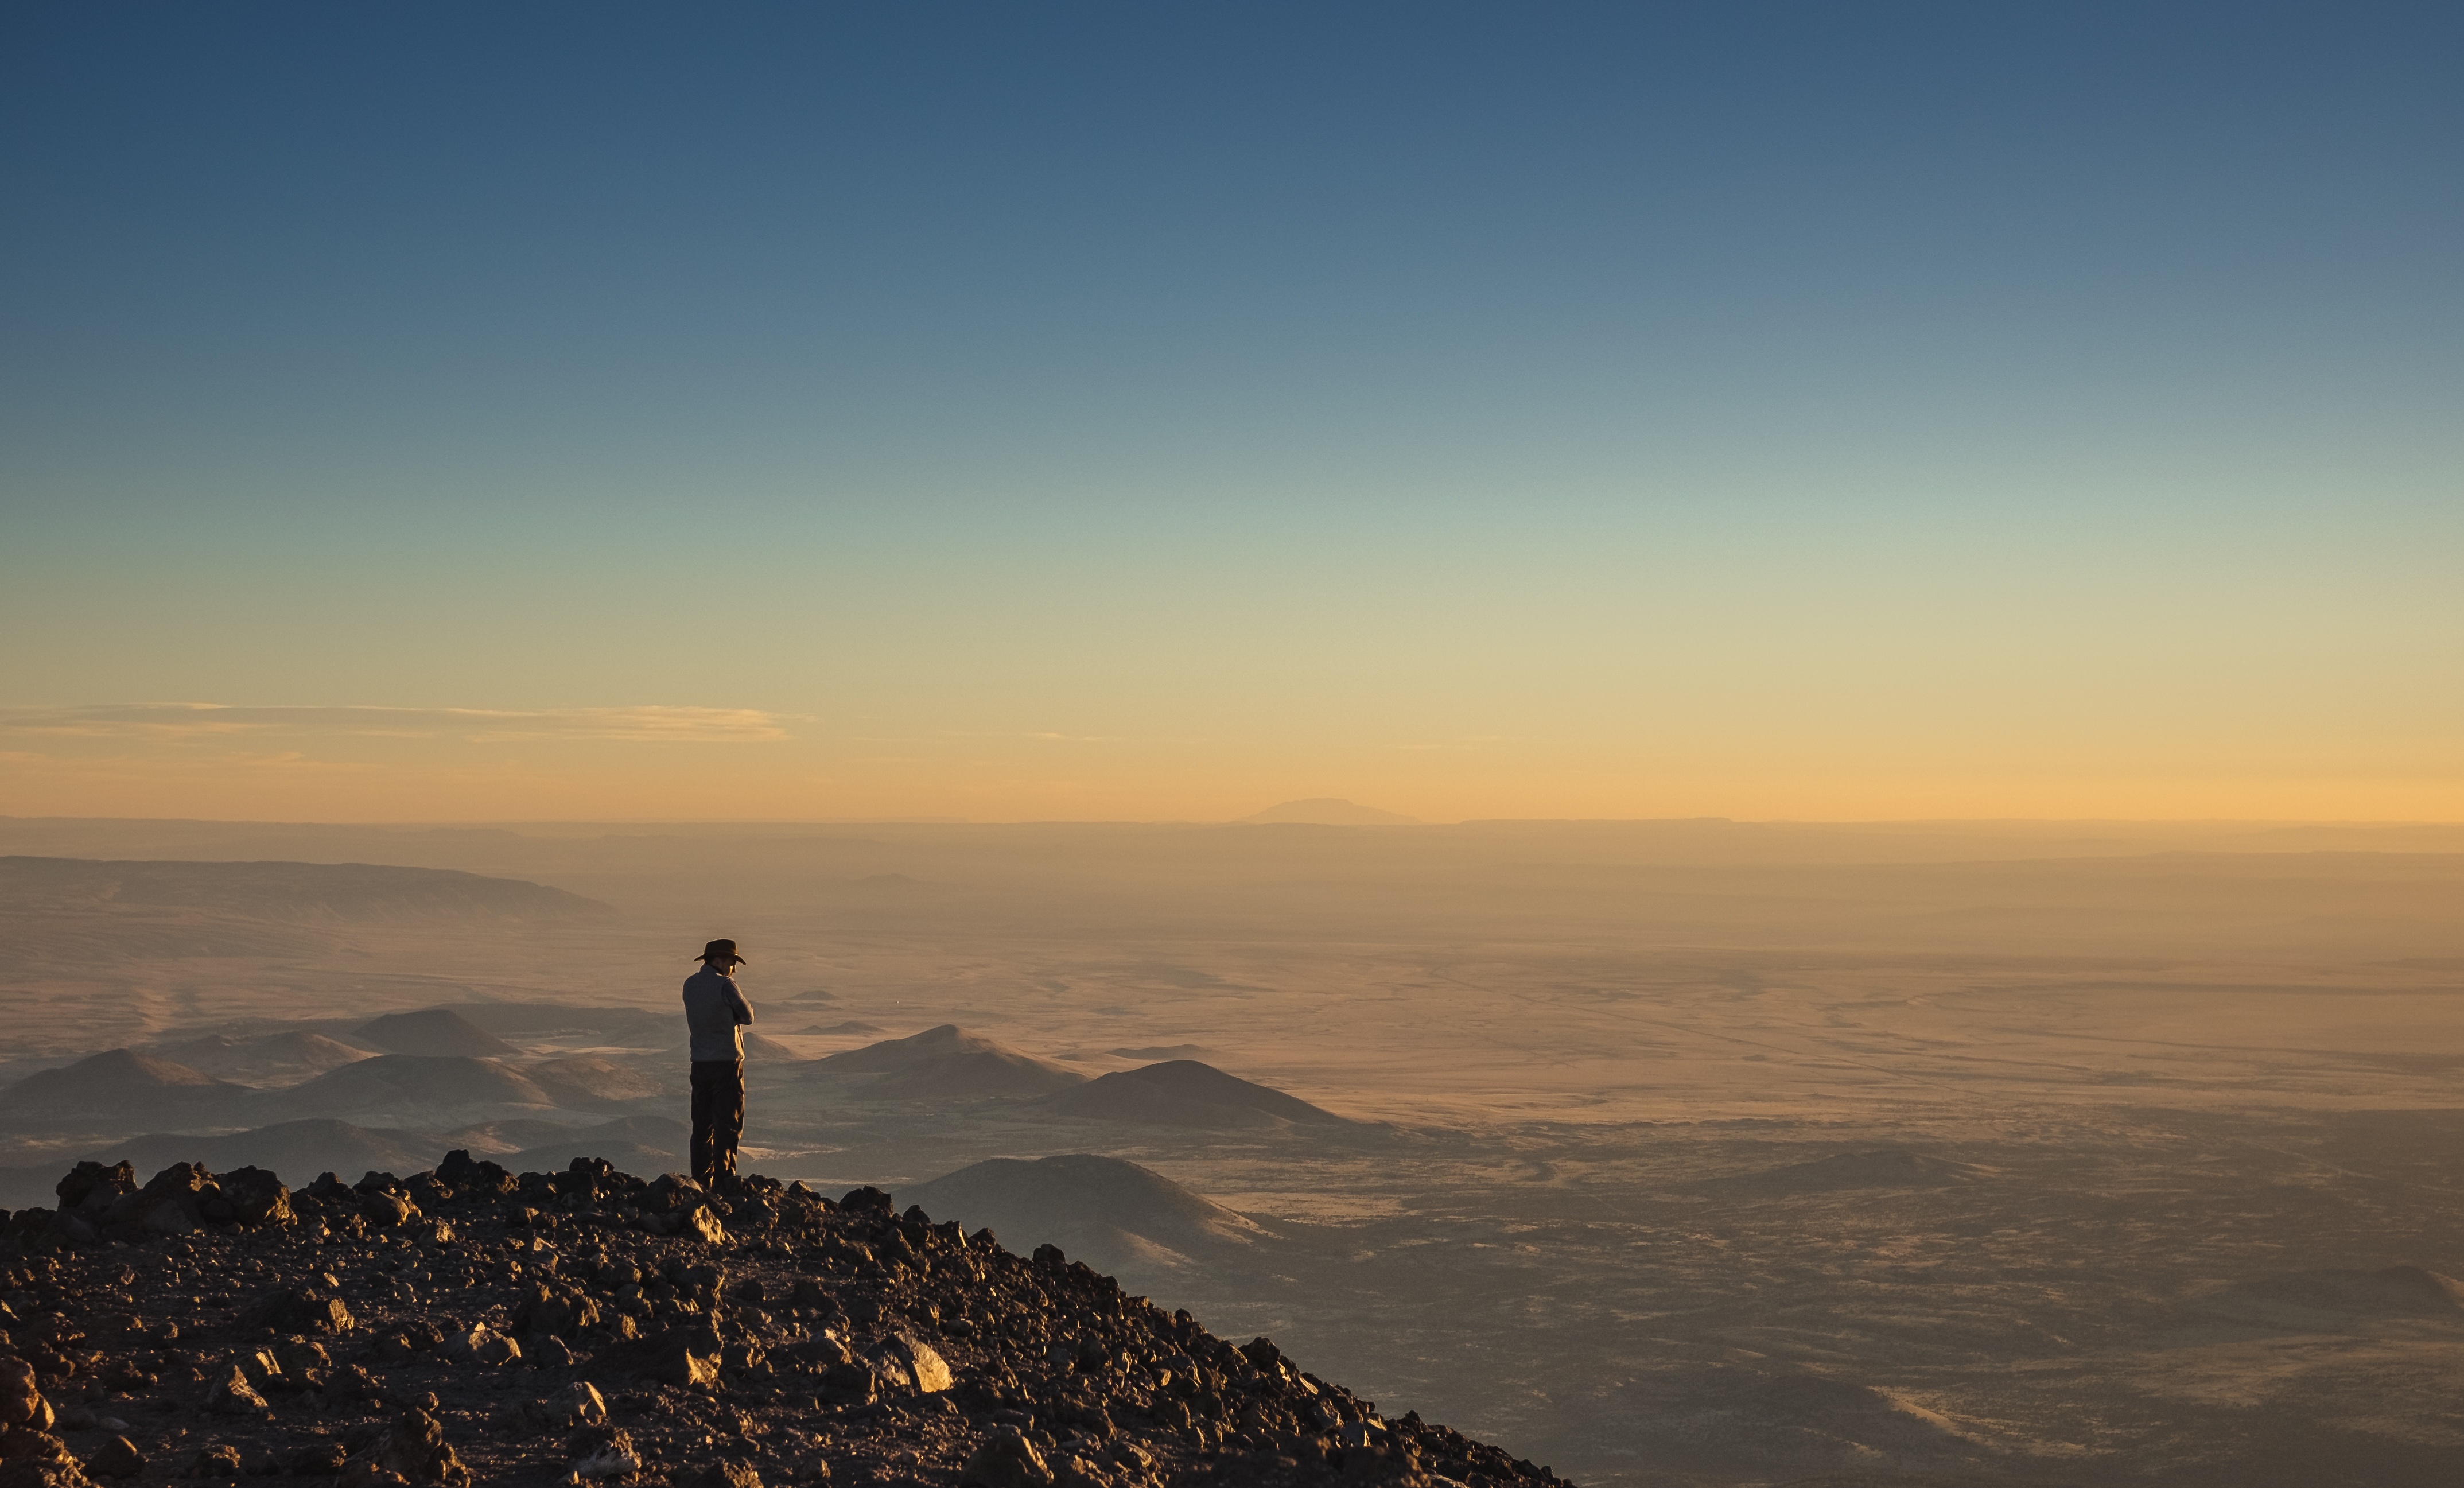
(1692, 1153)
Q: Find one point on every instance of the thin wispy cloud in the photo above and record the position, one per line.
(646, 724)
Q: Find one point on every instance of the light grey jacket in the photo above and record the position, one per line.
(714, 1010)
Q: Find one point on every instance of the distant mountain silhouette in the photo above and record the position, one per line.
(1119, 1215)
(430, 1031)
(948, 1063)
(853, 1025)
(413, 1084)
(1186, 1093)
(354, 892)
(270, 1058)
(1326, 811)
(122, 1083)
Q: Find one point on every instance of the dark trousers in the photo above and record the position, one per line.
(718, 1116)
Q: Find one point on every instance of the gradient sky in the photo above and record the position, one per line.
(1102, 410)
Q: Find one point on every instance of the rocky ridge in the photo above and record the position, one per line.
(469, 1324)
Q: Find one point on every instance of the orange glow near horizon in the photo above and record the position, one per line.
(714, 765)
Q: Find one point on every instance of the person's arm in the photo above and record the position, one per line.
(737, 1004)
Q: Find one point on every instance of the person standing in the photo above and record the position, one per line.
(717, 1012)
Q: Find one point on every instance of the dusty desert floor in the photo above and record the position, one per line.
(1688, 1153)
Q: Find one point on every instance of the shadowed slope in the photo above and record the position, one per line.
(430, 1031)
(296, 1150)
(275, 1058)
(413, 1084)
(652, 1143)
(1118, 1213)
(948, 1063)
(121, 1082)
(586, 1079)
(1186, 1093)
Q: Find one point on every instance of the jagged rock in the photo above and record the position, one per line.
(481, 1344)
(256, 1197)
(1050, 1256)
(726, 1475)
(603, 1452)
(92, 1186)
(416, 1449)
(37, 1471)
(21, 1397)
(670, 1192)
(214, 1462)
(318, 1460)
(386, 1209)
(303, 1358)
(849, 1383)
(399, 1345)
(915, 1362)
(870, 1305)
(118, 1458)
(1006, 1460)
(560, 1314)
(577, 1405)
(234, 1395)
(686, 1356)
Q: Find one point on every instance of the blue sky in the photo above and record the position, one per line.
(1641, 409)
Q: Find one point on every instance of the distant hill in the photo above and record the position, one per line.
(637, 1145)
(1326, 811)
(121, 1082)
(430, 1031)
(584, 1080)
(1186, 1093)
(1107, 1208)
(270, 1059)
(757, 1045)
(296, 1150)
(353, 892)
(427, 1088)
(635, 1027)
(948, 1063)
(1113, 1214)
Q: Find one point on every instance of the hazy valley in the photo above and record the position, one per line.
(1686, 1152)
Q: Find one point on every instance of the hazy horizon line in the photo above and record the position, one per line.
(510, 822)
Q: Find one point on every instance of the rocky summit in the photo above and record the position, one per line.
(469, 1324)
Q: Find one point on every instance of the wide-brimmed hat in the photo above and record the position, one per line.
(722, 951)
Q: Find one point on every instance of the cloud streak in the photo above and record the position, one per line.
(173, 722)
